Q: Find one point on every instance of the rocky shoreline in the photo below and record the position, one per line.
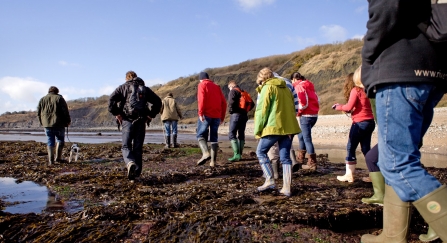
(177, 201)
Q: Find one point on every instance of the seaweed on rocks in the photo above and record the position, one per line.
(176, 201)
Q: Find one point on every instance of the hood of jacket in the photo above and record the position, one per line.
(272, 81)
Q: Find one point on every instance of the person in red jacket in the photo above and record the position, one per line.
(363, 123)
(307, 116)
(211, 110)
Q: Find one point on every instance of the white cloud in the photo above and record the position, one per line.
(360, 37)
(107, 90)
(23, 89)
(333, 33)
(251, 4)
(18, 94)
(23, 94)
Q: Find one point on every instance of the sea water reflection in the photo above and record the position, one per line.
(29, 197)
(23, 197)
(90, 137)
(336, 155)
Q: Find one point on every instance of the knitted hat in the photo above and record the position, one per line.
(203, 75)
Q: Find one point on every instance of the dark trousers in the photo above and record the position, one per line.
(372, 157)
(360, 133)
(132, 140)
(238, 122)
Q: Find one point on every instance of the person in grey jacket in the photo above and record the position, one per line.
(170, 114)
(53, 115)
(407, 75)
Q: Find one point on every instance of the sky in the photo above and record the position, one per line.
(85, 47)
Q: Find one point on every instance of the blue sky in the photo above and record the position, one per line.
(85, 47)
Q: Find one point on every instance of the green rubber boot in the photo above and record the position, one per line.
(235, 146)
(396, 220)
(430, 236)
(378, 183)
(433, 208)
(205, 153)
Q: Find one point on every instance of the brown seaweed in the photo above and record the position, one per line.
(176, 201)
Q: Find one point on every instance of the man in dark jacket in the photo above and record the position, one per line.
(407, 75)
(238, 121)
(129, 104)
(53, 115)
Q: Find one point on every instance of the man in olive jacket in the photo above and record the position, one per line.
(53, 115)
(170, 114)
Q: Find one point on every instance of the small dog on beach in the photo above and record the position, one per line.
(74, 150)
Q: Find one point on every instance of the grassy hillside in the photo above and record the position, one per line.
(325, 65)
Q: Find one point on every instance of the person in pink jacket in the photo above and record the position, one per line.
(307, 116)
(363, 123)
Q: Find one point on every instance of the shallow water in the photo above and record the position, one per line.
(336, 155)
(29, 197)
(90, 137)
(24, 197)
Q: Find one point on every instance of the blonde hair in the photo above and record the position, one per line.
(263, 75)
(232, 82)
(358, 77)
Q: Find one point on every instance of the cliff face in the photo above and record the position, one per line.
(326, 66)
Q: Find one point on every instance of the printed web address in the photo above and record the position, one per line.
(429, 73)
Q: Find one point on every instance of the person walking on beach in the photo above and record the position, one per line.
(307, 117)
(238, 120)
(212, 107)
(407, 75)
(363, 123)
(274, 122)
(53, 115)
(129, 104)
(170, 114)
(273, 153)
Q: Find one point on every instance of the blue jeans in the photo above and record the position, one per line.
(284, 144)
(238, 122)
(55, 134)
(360, 133)
(404, 114)
(168, 124)
(132, 142)
(209, 123)
(305, 137)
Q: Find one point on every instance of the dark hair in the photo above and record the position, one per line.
(53, 89)
(170, 94)
(297, 75)
(130, 75)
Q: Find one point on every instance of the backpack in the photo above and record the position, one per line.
(436, 28)
(135, 105)
(245, 102)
